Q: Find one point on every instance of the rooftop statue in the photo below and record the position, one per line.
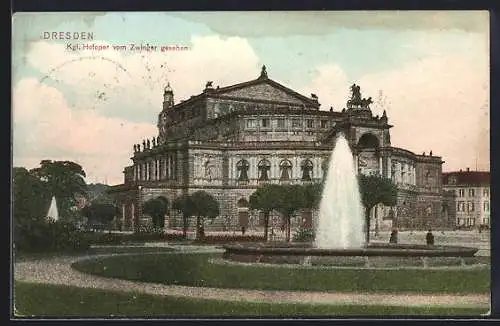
(263, 72)
(356, 100)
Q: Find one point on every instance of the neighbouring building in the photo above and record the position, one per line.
(471, 197)
(229, 140)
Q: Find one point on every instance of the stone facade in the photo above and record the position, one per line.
(230, 140)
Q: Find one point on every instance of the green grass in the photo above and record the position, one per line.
(195, 270)
(65, 301)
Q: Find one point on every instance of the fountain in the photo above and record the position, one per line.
(339, 232)
(340, 222)
(53, 213)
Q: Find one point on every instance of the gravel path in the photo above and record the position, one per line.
(58, 271)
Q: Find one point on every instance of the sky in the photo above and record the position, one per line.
(428, 70)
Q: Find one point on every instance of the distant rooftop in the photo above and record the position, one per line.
(466, 177)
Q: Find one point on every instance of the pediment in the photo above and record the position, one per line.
(268, 91)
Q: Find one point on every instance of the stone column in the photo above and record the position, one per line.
(123, 216)
(380, 170)
(165, 167)
(389, 167)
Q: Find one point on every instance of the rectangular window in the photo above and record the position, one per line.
(296, 123)
(265, 123)
(471, 193)
(461, 192)
(470, 206)
(324, 123)
(281, 123)
(310, 123)
(251, 123)
(486, 192)
(486, 206)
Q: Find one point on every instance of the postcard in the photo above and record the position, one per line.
(250, 164)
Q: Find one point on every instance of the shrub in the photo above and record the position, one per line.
(44, 236)
(303, 235)
(98, 238)
(230, 238)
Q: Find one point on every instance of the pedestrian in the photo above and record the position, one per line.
(429, 238)
(394, 237)
(243, 230)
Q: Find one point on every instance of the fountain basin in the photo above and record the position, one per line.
(374, 255)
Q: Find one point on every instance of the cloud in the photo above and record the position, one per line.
(130, 83)
(330, 84)
(290, 23)
(438, 103)
(92, 106)
(45, 126)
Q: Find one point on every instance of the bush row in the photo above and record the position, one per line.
(40, 236)
(209, 239)
(116, 239)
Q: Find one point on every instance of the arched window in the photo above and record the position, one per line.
(242, 203)
(307, 167)
(242, 166)
(286, 170)
(264, 166)
(368, 140)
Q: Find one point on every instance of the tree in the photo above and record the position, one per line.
(311, 201)
(291, 198)
(184, 205)
(204, 206)
(32, 230)
(375, 190)
(64, 180)
(30, 203)
(100, 213)
(156, 208)
(265, 199)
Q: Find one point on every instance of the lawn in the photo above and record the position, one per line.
(196, 270)
(43, 300)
